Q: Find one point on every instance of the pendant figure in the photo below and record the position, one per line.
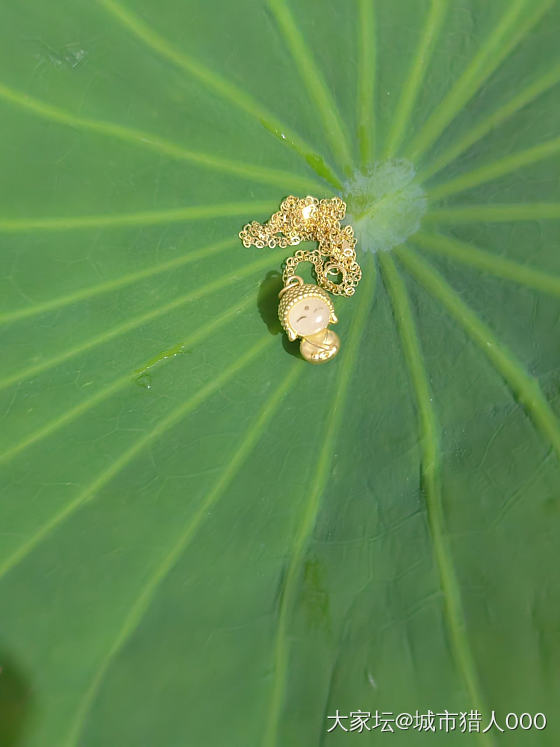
(305, 311)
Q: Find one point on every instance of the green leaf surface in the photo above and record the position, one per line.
(204, 540)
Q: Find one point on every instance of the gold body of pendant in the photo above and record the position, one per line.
(305, 310)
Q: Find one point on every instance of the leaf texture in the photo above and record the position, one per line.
(204, 540)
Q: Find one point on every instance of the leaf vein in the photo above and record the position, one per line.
(313, 80)
(311, 509)
(517, 211)
(500, 266)
(495, 49)
(121, 382)
(431, 479)
(126, 457)
(147, 593)
(141, 218)
(494, 120)
(135, 321)
(416, 75)
(525, 388)
(367, 45)
(496, 169)
(154, 142)
(222, 86)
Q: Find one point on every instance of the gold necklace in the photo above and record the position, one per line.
(305, 309)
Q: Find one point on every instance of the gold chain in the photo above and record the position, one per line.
(310, 219)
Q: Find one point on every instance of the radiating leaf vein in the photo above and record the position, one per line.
(313, 80)
(135, 322)
(496, 169)
(242, 169)
(496, 47)
(525, 388)
(494, 120)
(68, 416)
(418, 68)
(128, 455)
(223, 87)
(367, 44)
(120, 282)
(311, 507)
(488, 262)
(142, 218)
(494, 213)
(431, 481)
(144, 599)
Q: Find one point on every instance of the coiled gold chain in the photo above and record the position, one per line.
(309, 219)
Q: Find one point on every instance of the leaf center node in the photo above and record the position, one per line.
(385, 204)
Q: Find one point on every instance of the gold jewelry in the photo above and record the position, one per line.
(306, 310)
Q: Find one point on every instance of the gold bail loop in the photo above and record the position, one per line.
(290, 284)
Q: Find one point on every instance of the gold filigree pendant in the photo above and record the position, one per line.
(305, 310)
